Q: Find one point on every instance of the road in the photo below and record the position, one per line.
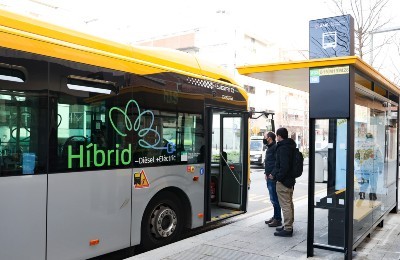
(258, 193)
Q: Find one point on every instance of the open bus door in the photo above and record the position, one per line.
(227, 170)
(231, 167)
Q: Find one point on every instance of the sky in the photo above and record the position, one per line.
(283, 23)
(131, 21)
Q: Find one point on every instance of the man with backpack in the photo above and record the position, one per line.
(284, 174)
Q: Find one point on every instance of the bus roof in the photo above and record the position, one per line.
(14, 24)
(295, 74)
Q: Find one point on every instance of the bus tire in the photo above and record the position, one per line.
(162, 222)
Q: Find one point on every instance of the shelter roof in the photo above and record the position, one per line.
(295, 74)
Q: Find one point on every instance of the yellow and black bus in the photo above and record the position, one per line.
(107, 146)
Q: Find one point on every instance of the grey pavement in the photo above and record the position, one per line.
(250, 238)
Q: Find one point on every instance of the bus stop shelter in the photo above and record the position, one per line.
(354, 114)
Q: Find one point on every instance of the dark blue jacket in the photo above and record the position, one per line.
(284, 162)
(270, 158)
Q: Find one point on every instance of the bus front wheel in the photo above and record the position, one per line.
(162, 222)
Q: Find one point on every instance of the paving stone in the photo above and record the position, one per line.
(186, 255)
(391, 255)
(296, 254)
(221, 253)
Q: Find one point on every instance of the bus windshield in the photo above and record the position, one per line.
(256, 145)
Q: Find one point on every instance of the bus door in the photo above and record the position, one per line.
(231, 167)
(228, 183)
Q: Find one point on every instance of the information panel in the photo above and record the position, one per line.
(329, 92)
(332, 37)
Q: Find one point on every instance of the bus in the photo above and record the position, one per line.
(106, 146)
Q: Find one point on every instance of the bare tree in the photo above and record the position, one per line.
(394, 64)
(368, 18)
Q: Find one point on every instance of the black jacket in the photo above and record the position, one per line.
(284, 162)
(270, 157)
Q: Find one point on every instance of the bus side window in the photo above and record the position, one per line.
(99, 137)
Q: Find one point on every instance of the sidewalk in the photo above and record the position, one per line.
(250, 238)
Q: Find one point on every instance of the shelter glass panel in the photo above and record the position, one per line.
(330, 181)
(375, 159)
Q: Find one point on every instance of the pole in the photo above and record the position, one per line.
(372, 39)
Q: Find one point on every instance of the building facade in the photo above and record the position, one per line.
(229, 46)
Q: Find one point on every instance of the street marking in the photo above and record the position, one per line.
(257, 198)
(306, 196)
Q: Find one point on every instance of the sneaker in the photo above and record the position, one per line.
(269, 220)
(284, 233)
(279, 228)
(362, 195)
(372, 196)
(275, 223)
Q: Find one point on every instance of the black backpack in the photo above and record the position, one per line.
(298, 161)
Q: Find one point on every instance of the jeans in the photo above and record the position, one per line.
(273, 196)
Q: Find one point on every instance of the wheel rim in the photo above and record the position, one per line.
(163, 221)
